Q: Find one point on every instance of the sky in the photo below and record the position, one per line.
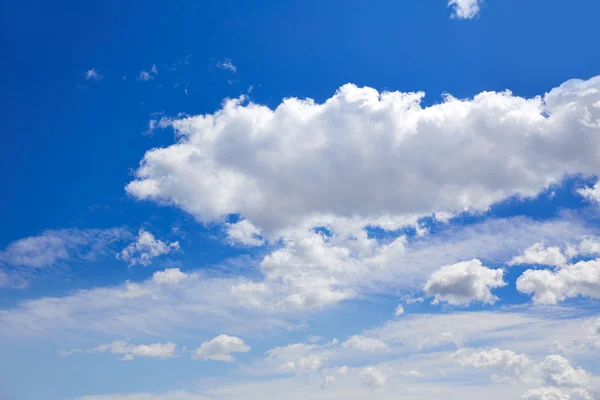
(229, 200)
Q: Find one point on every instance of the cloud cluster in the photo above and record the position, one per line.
(145, 248)
(461, 283)
(505, 365)
(221, 348)
(304, 161)
(573, 280)
(538, 254)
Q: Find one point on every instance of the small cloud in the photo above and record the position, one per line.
(220, 349)
(465, 9)
(147, 76)
(399, 310)
(93, 74)
(227, 65)
(145, 248)
(155, 124)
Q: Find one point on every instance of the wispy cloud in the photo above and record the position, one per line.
(227, 65)
(465, 9)
(93, 75)
(147, 76)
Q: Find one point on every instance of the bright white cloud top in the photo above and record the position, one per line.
(465, 9)
(304, 163)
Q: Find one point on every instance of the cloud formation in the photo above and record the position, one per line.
(220, 348)
(465, 9)
(303, 161)
(145, 248)
(461, 283)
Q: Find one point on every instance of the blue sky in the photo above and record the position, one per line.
(222, 200)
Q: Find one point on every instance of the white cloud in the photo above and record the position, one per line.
(363, 343)
(227, 65)
(573, 280)
(399, 310)
(590, 193)
(170, 276)
(540, 255)
(93, 74)
(303, 161)
(372, 378)
(129, 351)
(220, 348)
(245, 233)
(587, 246)
(465, 9)
(464, 282)
(505, 365)
(146, 76)
(145, 248)
(271, 302)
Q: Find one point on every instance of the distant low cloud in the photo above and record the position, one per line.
(220, 349)
(465, 9)
(129, 351)
(227, 65)
(93, 75)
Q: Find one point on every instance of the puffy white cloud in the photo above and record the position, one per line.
(540, 255)
(587, 246)
(573, 280)
(282, 168)
(558, 371)
(92, 74)
(465, 9)
(220, 348)
(145, 248)
(271, 302)
(563, 381)
(245, 233)
(227, 65)
(372, 378)
(505, 365)
(169, 276)
(363, 343)
(464, 282)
